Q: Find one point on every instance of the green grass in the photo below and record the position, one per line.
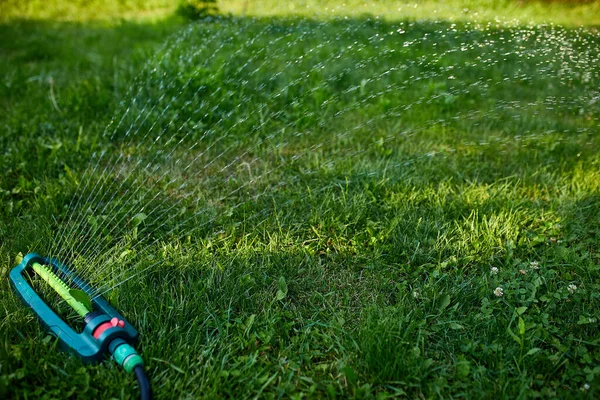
(564, 12)
(361, 268)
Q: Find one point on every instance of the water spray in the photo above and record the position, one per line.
(105, 330)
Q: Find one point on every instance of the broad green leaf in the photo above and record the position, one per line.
(138, 219)
(521, 310)
(532, 351)
(350, 374)
(445, 302)
(124, 254)
(521, 326)
(463, 367)
(455, 326)
(512, 334)
(249, 323)
(280, 295)
(81, 297)
(583, 320)
(282, 291)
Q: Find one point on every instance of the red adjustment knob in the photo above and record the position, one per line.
(115, 322)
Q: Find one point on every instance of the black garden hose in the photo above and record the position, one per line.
(145, 392)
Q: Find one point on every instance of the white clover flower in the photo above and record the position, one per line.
(572, 288)
(499, 292)
(416, 294)
(494, 271)
(534, 265)
(586, 386)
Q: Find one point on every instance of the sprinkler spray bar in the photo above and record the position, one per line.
(61, 288)
(105, 330)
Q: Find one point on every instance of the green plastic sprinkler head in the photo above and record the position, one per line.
(105, 331)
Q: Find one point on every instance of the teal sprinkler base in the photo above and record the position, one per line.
(105, 331)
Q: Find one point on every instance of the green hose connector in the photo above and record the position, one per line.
(125, 355)
(61, 288)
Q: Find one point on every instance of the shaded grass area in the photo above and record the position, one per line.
(363, 279)
(56, 100)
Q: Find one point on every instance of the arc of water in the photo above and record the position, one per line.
(78, 223)
(167, 45)
(273, 41)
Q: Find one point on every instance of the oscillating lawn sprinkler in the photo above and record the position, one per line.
(105, 331)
